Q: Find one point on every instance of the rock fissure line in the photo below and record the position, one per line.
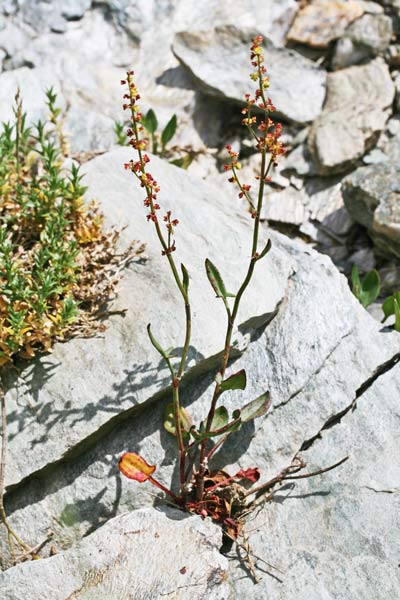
(336, 419)
(316, 372)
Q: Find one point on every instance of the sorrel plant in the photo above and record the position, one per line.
(202, 490)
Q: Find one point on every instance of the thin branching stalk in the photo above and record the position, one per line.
(167, 249)
(264, 171)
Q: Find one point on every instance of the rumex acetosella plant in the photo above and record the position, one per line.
(58, 265)
(203, 490)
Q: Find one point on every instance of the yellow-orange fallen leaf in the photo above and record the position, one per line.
(135, 467)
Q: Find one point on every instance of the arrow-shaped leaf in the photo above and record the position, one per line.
(237, 381)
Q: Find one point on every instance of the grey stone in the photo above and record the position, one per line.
(300, 161)
(372, 197)
(364, 259)
(375, 157)
(9, 7)
(74, 9)
(143, 554)
(218, 60)
(32, 84)
(357, 107)
(287, 206)
(273, 17)
(13, 38)
(320, 22)
(371, 8)
(66, 397)
(326, 205)
(367, 37)
(314, 530)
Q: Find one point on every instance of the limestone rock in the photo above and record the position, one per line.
(287, 207)
(367, 37)
(357, 107)
(218, 60)
(32, 84)
(315, 529)
(372, 197)
(143, 554)
(273, 17)
(320, 356)
(319, 23)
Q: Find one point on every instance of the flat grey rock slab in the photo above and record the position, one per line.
(62, 399)
(138, 555)
(316, 357)
(372, 197)
(219, 61)
(357, 106)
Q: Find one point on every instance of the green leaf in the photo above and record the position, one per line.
(396, 314)
(166, 354)
(368, 290)
(150, 121)
(185, 277)
(220, 419)
(255, 408)
(216, 280)
(169, 420)
(237, 381)
(183, 162)
(371, 286)
(388, 305)
(169, 131)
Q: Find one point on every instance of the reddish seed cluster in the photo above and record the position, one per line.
(266, 132)
(138, 167)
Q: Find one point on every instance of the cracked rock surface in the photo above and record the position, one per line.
(321, 356)
(332, 370)
(109, 563)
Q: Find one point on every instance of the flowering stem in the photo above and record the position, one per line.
(231, 321)
(266, 143)
(148, 184)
